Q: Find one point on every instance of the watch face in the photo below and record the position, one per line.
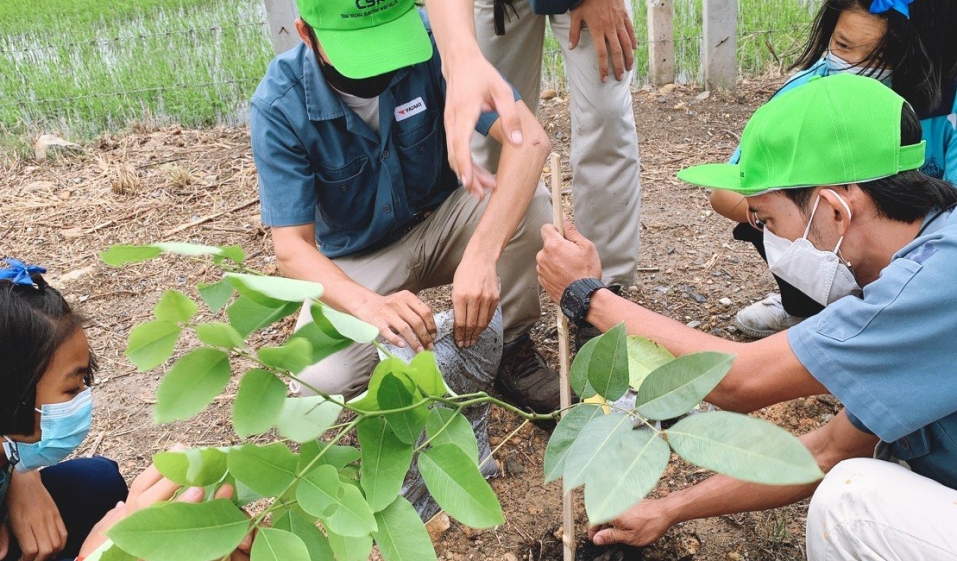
(571, 304)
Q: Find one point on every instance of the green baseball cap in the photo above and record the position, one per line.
(365, 38)
(831, 131)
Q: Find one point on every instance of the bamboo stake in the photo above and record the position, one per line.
(564, 361)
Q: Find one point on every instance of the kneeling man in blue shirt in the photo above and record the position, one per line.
(831, 172)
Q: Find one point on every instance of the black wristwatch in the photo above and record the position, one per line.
(577, 297)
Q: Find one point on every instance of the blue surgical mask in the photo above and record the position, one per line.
(837, 65)
(63, 426)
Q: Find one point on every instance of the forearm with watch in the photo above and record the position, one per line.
(576, 299)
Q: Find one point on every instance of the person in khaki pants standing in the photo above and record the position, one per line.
(349, 144)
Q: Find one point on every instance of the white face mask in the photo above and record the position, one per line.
(822, 275)
(837, 65)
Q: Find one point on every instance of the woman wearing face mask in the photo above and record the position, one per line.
(908, 45)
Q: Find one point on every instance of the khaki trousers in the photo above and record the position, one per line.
(427, 257)
(604, 154)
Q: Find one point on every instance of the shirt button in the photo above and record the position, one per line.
(387, 208)
(421, 149)
(904, 444)
(385, 154)
(344, 188)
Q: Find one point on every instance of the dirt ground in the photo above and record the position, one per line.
(169, 184)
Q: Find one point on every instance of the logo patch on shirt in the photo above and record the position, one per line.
(409, 109)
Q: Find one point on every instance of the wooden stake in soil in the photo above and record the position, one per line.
(568, 516)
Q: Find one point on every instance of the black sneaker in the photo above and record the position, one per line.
(524, 380)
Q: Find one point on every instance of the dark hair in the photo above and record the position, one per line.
(34, 322)
(906, 197)
(921, 50)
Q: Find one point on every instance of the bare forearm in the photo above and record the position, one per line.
(453, 26)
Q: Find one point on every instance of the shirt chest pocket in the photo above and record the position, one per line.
(421, 154)
(346, 194)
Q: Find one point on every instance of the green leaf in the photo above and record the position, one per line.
(216, 295)
(178, 531)
(585, 454)
(297, 522)
(335, 456)
(350, 549)
(305, 418)
(219, 334)
(393, 366)
(197, 467)
(174, 306)
(608, 365)
(578, 374)
(191, 384)
(565, 434)
(445, 426)
(644, 356)
(187, 249)
(294, 356)
(424, 373)
(234, 253)
(267, 470)
(350, 327)
(319, 490)
(122, 254)
(402, 535)
(273, 544)
(323, 344)
(637, 461)
(258, 402)
(457, 485)
(744, 448)
(247, 315)
(393, 393)
(678, 386)
(152, 343)
(278, 288)
(114, 553)
(352, 517)
(385, 462)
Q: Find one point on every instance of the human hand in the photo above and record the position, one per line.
(639, 526)
(475, 295)
(4, 540)
(610, 26)
(402, 318)
(34, 520)
(563, 260)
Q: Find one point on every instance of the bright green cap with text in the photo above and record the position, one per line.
(365, 38)
(831, 131)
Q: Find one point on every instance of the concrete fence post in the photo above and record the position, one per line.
(282, 15)
(719, 50)
(661, 41)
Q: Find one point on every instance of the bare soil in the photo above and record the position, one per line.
(170, 184)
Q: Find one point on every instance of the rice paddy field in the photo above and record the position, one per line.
(78, 68)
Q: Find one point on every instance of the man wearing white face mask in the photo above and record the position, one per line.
(835, 182)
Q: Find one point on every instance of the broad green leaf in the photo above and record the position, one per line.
(402, 535)
(352, 517)
(636, 462)
(219, 334)
(565, 434)
(258, 402)
(297, 522)
(114, 553)
(178, 531)
(445, 426)
(608, 365)
(318, 491)
(584, 456)
(294, 356)
(216, 295)
(335, 456)
(119, 255)
(278, 288)
(745, 448)
(350, 549)
(305, 418)
(197, 467)
(678, 386)
(191, 384)
(385, 462)
(349, 326)
(323, 344)
(424, 372)
(174, 306)
(391, 365)
(273, 544)
(457, 485)
(187, 249)
(578, 374)
(644, 356)
(234, 253)
(247, 315)
(267, 470)
(394, 393)
(152, 343)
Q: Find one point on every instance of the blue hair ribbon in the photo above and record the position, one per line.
(881, 6)
(19, 272)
